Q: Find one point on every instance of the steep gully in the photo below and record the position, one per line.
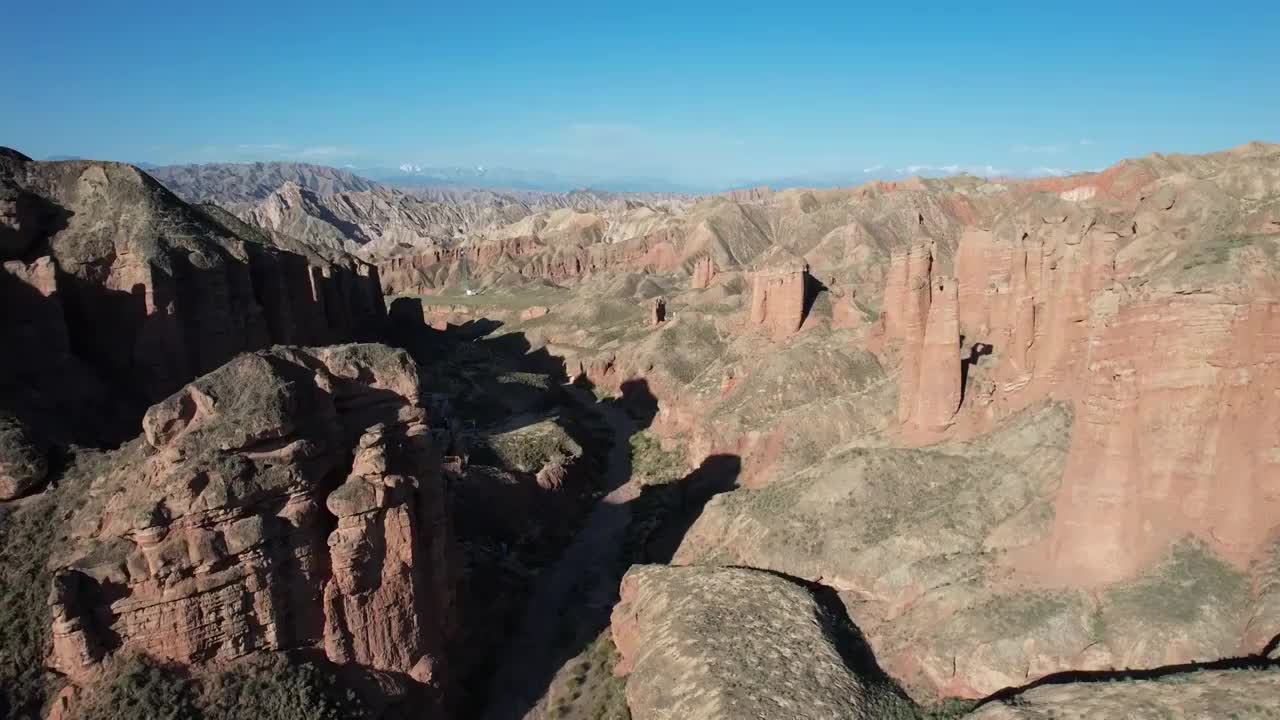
(519, 687)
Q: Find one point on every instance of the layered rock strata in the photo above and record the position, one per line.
(291, 499)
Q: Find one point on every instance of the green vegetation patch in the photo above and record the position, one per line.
(31, 533)
(1190, 585)
(1024, 613)
(587, 688)
(533, 380)
(687, 346)
(26, 537)
(1219, 251)
(652, 465)
(528, 448)
(269, 688)
(611, 312)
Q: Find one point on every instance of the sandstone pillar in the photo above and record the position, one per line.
(938, 390)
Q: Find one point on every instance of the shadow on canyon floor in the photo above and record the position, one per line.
(566, 609)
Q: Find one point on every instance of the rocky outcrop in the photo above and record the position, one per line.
(704, 273)
(154, 292)
(704, 643)
(34, 314)
(657, 312)
(778, 300)
(534, 312)
(291, 499)
(411, 274)
(23, 465)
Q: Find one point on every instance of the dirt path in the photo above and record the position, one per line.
(519, 687)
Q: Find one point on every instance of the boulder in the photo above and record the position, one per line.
(534, 312)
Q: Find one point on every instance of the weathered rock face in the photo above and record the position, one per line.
(155, 292)
(1151, 311)
(703, 643)
(290, 499)
(534, 256)
(778, 300)
(924, 327)
(1178, 406)
(939, 381)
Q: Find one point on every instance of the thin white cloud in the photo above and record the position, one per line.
(254, 152)
(987, 170)
(325, 151)
(873, 168)
(953, 169)
(1059, 172)
(1086, 141)
(1040, 149)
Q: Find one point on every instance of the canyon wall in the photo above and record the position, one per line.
(1061, 298)
(148, 292)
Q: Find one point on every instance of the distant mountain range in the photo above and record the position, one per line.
(254, 181)
(249, 182)
(499, 178)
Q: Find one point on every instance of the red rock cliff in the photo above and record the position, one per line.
(237, 524)
(1171, 385)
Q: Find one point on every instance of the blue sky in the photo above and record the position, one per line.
(701, 93)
